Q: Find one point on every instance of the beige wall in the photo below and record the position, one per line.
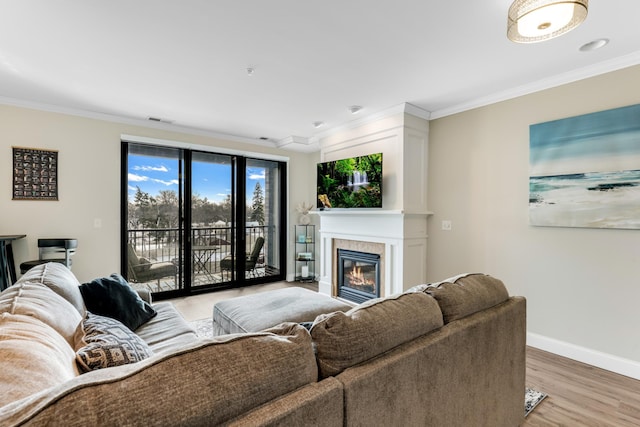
(89, 183)
(582, 285)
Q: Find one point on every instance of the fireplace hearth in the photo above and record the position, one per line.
(358, 275)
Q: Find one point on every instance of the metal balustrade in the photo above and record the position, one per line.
(163, 244)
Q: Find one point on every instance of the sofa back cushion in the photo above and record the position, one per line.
(42, 303)
(342, 339)
(34, 357)
(207, 383)
(59, 279)
(463, 295)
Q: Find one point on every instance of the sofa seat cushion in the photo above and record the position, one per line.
(59, 279)
(42, 303)
(209, 382)
(34, 357)
(103, 342)
(345, 339)
(113, 297)
(465, 294)
(167, 331)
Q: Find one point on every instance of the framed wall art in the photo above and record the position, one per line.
(35, 174)
(585, 170)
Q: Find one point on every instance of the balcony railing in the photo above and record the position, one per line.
(209, 245)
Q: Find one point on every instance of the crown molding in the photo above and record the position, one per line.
(145, 123)
(551, 82)
(298, 143)
(404, 108)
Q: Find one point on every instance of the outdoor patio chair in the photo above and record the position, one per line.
(142, 270)
(250, 263)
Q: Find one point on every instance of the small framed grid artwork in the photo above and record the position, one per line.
(35, 174)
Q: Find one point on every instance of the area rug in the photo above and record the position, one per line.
(531, 399)
(204, 329)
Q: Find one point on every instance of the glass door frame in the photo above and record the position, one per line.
(184, 286)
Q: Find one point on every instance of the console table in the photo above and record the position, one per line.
(7, 265)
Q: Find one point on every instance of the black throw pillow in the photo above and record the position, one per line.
(113, 297)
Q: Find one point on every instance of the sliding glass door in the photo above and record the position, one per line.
(213, 228)
(264, 183)
(153, 218)
(196, 221)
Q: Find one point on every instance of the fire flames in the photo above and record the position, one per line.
(357, 279)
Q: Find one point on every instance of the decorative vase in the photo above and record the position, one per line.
(305, 219)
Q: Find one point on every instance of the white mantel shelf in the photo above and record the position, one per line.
(364, 212)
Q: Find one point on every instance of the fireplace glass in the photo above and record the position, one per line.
(358, 275)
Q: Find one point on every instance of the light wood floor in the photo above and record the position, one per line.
(579, 394)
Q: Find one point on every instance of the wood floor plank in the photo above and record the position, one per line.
(580, 394)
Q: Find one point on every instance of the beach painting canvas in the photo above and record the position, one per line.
(585, 170)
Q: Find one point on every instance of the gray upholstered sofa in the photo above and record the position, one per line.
(447, 355)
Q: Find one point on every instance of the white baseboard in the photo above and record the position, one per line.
(619, 365)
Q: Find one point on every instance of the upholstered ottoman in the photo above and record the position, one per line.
(253, 313)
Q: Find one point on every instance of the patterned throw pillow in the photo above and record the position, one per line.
(103, 342)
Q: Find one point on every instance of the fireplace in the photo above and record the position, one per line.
(358, 275)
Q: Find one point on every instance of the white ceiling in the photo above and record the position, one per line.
(186, 61)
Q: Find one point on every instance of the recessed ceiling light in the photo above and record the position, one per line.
(594, 45)
(317, 124)
(250, 71)
(355, 109)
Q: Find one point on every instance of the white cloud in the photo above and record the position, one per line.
(167, 183)
(137, 178)
(151, 168)
(257, 176)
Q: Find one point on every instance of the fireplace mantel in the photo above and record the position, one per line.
(403, 235)
(398, 230)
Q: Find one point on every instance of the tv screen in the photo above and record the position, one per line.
(355, 182)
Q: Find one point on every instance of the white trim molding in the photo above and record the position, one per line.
(609, 362)
(540, 85)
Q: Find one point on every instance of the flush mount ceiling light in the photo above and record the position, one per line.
(532, 21)
(317, 124)
(355, 109)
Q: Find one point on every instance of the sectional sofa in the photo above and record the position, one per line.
(448, 354)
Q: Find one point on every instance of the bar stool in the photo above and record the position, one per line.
(47, 247)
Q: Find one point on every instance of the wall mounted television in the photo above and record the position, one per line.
(355, 182)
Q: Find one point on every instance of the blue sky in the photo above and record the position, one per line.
(211, 180)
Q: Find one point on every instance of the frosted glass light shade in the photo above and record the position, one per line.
(532, 21)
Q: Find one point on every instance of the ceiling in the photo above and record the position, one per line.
(185, 61)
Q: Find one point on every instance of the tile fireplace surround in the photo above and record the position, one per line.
(399, 238)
